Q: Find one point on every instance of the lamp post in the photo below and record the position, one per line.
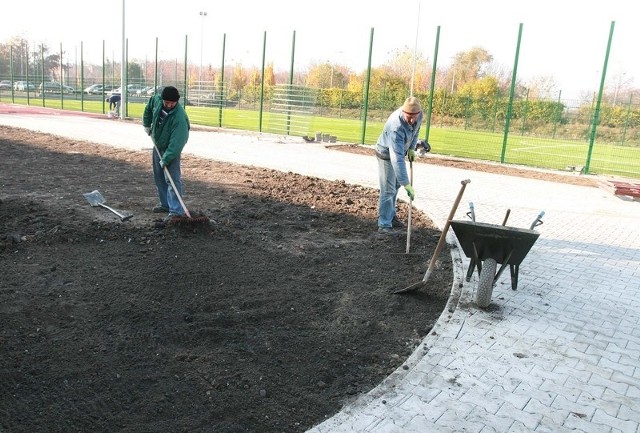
(203, 14)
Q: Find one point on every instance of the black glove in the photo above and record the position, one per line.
(424, 145)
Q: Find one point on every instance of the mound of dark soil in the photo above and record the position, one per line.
(267, 320)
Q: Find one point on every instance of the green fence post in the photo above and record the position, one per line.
(27, 57)
(61, 80)
(13, 92)
(525, 111)
(432, 84)
(264, 48)
(186, 46)
(596, 115)
(293, 55)
(466, 111)
(124, 83)
(155, 72)
(366, 90)
(626, 121)
(42, 69)
(558, 115)
(221, 81)
(496, 103)
(82, 73)
(511, 93)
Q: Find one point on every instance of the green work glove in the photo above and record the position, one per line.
(412, 155)
(410, 191)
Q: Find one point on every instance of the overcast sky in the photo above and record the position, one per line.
(566, 39)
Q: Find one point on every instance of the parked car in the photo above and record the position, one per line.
(23, 86)
(97, 89)
(93, 89)
(5, 85)
(49, 87)
(132, 89)
(152, 91)
(143, 91)
(54, 87)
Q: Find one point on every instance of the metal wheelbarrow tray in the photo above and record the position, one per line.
(489, 244)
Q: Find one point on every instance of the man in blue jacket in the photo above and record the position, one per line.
(167, 123)
(398, 139)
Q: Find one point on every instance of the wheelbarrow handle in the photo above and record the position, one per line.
(537, 221)
(472, 212)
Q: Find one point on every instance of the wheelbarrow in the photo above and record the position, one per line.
(487, 245)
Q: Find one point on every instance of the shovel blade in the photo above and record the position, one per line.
(94, 198)
(411, 288)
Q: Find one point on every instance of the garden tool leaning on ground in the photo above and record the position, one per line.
(439, 246)
(410, 206)
(425, 148)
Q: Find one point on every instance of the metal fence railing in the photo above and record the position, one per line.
(591, 134)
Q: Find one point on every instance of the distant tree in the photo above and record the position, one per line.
(319, 75)
(542, 86)
(401, 65)
(269, 76)
(239, 79)
(468, 66)
(486, 87)
(135, 73)
(254, 77)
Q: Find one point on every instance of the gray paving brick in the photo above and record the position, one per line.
(530, 420)
(496, 422)
(547, 425)
(601, 417)
(619, 387)
(629, 413)
(621, 366)
(618, 399)
(550, 417)
(579, 424)
(488, 401)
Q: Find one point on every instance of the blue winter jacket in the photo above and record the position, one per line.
(396, 139)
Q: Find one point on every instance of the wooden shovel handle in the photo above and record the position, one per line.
(443, 235)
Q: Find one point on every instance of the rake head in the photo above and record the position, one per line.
(197, 219)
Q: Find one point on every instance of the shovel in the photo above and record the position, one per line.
(439, 246)
(95, 199)
(410, 206)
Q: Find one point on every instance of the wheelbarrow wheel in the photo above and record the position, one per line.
(485, 283)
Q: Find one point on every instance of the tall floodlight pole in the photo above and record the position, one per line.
(203, 14)
(415, 49)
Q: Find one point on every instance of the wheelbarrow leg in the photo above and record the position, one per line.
(504, 265)
(472, 266)
(475, 263)
(514, 276)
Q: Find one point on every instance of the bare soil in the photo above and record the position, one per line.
(268, 319)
